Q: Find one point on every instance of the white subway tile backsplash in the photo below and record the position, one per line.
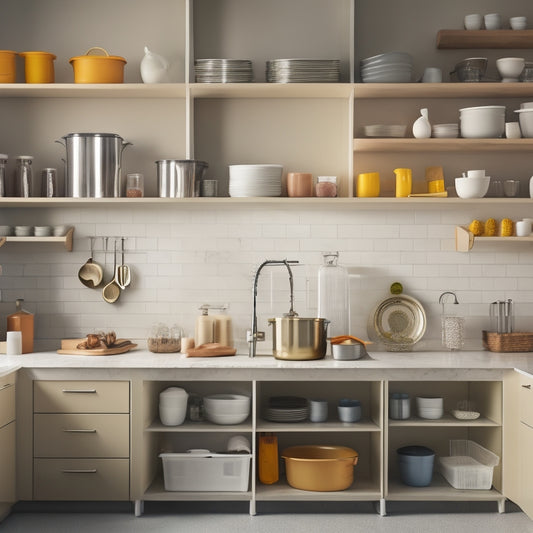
(183, 258)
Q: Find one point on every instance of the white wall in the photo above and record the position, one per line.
(182, 257)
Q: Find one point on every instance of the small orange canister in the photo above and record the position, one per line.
(38, 67)
(98, 68)
(8, 67)
(268, 460)
(22, 321)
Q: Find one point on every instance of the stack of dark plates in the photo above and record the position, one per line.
(287, 409)
(223, 70)
(303, 71)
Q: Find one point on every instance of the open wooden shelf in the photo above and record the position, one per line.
(494, 39)
(465, 239)
(65, 239)
(441, 145)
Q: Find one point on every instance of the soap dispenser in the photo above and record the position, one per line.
(22, 321)
(204, 332)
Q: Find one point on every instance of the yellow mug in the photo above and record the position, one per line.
(404, 182)
(367, 185)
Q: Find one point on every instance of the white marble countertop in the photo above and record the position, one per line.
(376, 361)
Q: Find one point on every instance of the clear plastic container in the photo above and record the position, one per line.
(334, 295)
(24, 176)
(134, 185)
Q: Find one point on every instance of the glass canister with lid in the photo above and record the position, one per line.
(24, 176)
(326, 186)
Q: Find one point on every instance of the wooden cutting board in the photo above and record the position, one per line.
(211, 349)
(68, 347)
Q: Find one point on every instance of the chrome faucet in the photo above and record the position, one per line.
(252, 336)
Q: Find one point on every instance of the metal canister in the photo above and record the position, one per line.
(93, 164)
(179, 178)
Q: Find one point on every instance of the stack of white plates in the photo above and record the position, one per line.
(445, 131)
(42, 231)
(303, 71)
(23, 231)
(223, 70)
(255, 180)
(391, 67)
(384, 130)
(287, 409)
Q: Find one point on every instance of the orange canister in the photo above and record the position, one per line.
(268, 460)
(8, 67)
(22, 321)
(98, 68)
(367, 185)
(38, 67)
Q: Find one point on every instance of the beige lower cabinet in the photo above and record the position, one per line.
(7, 444)
(81, 440)
(518, 440)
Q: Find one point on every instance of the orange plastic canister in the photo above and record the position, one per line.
(8, 68)
(38, 67)
(22, 321)
(98, 68)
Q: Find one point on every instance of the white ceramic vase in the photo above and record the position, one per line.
(154, 68)
(421, 126)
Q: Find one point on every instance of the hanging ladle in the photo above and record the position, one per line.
(123, 271)
(91, 273)
(111, 291)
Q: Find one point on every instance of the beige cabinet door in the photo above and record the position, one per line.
(518, 440)
(7, 463)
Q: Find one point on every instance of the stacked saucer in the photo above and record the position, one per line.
(445, 131)
(385, 130)
(391, 67)
(223, 70)
(303, 71)
(255, 180)
(287, 409)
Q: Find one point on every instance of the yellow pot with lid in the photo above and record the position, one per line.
(98, 68)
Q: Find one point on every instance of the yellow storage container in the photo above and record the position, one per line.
(38, 67)
(8, 67)
(98, 68)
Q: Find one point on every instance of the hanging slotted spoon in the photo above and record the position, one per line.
(123, 276)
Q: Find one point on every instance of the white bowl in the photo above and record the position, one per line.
(482, 122)
(525, 117)
(430, 414)
(472, 187)
(23, 231)
(510, 68)
(225, 418)
(227, 403)
(5, 231)
(518, 23)
(526, 105)
(430, 402)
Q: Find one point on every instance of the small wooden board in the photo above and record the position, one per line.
(68, 347)
(211, 349)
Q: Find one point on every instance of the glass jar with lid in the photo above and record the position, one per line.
(134, 186)
(326, 186)
(24, 176)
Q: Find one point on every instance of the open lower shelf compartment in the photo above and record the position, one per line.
(66, 239)
(465, 239)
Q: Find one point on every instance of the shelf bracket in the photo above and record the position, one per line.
(464, 239)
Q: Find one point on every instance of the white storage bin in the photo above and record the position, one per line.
(470, 466)
(200, 470)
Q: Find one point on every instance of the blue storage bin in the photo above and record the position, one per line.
(416, 465)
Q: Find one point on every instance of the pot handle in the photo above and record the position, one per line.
(59, 141)
(99, 48)
(125, 144)
(355, 460)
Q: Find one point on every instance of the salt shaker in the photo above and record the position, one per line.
(23, 176)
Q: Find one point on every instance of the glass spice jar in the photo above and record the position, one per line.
(326, 187)
(134, 186)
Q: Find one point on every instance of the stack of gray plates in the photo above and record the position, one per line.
(303, 71)
(391, 67)
(223, 70)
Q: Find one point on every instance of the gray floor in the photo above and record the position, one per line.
(221, 517)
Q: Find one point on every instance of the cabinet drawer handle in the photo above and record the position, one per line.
(79, 391)
(79, 431)
(526, 386)
(7, 385)
(90, 471)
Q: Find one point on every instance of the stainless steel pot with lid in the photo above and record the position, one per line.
(93, 164)
(179, 178)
